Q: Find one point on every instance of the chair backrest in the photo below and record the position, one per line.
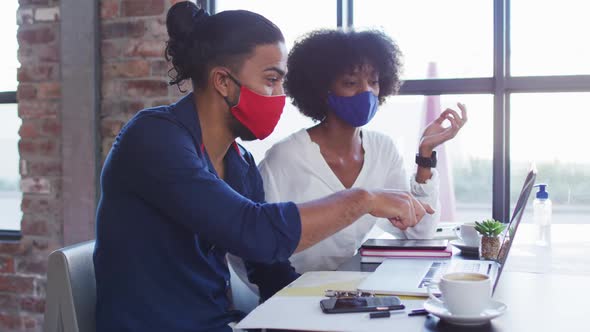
(244, 295)
(71, 290)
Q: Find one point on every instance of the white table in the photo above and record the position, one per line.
(545, 288)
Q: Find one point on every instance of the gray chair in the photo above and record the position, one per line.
(71, 290)
(244, 297)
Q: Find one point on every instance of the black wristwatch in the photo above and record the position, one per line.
(425, 161)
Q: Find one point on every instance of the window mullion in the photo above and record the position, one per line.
(501, 162)
(350, 13)
(8, 97)
(571, 83)
(208, 5)
(448, 86)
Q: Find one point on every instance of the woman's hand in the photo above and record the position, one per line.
(435, 133)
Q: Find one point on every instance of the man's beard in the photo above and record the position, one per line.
(236, 127)
(239, 130)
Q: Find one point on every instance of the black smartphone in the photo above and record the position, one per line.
(360, 304)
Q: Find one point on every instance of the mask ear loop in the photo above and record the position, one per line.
(235, 80)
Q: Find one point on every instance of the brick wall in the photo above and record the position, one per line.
(134, 76)
(23, 263)
(134, 71)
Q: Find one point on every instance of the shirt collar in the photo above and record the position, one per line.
(185, 111)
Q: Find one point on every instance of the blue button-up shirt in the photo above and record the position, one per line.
(165, 222)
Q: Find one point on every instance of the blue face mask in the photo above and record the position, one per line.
(357, 110)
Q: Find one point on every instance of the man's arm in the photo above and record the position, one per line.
(324, 217)
(160, 164)
(157, 159)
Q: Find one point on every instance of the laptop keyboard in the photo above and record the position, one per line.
(437, 269)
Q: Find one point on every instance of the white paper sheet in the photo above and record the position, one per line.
(303, 313)
(297, 307)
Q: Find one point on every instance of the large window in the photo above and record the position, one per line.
(293, 17)
(10, 196)
(519, 66)
(550, 38)
(550, 128)
(459, 43)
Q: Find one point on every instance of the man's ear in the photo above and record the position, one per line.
(220, 80)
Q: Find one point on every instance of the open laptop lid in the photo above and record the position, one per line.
(512, 227)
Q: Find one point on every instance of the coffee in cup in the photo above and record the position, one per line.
(463, 294)
(469, 235)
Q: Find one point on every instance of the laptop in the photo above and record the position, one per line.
(411, 276)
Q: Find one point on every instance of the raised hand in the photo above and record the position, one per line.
(435, 133)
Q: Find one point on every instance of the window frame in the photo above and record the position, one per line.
(501, 85)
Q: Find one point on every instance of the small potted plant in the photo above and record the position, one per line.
(490, 231)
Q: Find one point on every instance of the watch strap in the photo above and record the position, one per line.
(429, 162)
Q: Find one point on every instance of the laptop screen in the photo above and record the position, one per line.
(512, 227)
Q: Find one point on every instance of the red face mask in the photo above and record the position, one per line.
(260, 114)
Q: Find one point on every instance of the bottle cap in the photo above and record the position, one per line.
(542, 194)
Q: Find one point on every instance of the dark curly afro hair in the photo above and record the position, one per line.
(321, 56)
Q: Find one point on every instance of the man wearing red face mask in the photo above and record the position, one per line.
(178, 193)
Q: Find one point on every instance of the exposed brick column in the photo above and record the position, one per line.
(23, 264)
(134, 72)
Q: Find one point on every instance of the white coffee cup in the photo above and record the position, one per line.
(463, 294)
(469, 235)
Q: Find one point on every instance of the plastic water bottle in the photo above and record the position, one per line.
(542, 215)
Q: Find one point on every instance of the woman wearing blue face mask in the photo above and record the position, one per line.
(339, 78)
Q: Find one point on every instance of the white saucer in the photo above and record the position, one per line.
(496, 309)
(468, 250)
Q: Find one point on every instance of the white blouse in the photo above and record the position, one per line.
(295, 170)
